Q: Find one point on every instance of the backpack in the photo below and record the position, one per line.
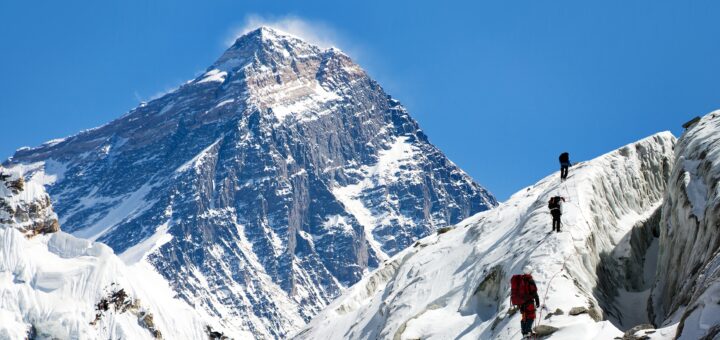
(519, 289)
(564, 157)
(553, 203)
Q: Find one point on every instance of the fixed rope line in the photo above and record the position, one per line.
(547, 288)
(538, 321)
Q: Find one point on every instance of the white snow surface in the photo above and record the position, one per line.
(303, 98)
(42, 173)
(53, 282)
(455, 285)
(401, 153)
(213, 75)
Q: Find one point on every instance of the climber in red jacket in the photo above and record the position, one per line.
(524, 295)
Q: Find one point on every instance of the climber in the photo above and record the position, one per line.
(555, 206)
(564, 165)
(523, 294)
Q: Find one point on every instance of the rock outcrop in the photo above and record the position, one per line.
(25, 207)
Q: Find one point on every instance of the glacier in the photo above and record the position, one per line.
(455, 284)
(687, 291)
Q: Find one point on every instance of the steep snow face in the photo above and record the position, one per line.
(688, 286)
(456, 284)
(261, 188)
(51, 283)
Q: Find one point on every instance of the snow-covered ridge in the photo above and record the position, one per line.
(51, 283)
(455, 285)
(688, 287)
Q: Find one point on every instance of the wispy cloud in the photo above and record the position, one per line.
(314, 32)
(168, 89)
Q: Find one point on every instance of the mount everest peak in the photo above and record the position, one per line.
(260, 189)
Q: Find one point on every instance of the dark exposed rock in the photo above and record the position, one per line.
(577, 311)
(630, 334)
(444, 230)
(17, 185)
(280, 176)
(32, 215)
(215, 335)
(32, 333)
(545, 330)
(118, 301)
(557, 311)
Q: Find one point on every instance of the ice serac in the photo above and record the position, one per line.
(262, 187)
(688, 286)
(455, 285)
(52, 285)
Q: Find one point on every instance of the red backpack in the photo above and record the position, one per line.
(520, 289)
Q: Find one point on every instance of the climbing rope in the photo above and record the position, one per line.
(547, 290)
(538, 320)
(562, 267)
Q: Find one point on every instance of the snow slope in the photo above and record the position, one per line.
(688, 287)
(456, 284)
(51, 283)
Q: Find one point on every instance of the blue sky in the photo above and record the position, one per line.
(502, 87)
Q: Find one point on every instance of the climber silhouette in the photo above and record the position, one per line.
(564, 165)
(555, 206)
(523, 294)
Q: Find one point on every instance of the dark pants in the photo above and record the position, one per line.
(564, 170)
(556, 222)
(526, 326)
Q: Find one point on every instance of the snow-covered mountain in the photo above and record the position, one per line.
(261, 188)
(56, 286)
(687, 293)
(594, 278)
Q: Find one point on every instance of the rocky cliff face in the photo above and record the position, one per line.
(261, 188)
(688, 286)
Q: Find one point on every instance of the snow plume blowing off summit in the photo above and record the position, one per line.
(260, 189)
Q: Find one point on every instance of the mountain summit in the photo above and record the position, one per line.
(260, 189)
